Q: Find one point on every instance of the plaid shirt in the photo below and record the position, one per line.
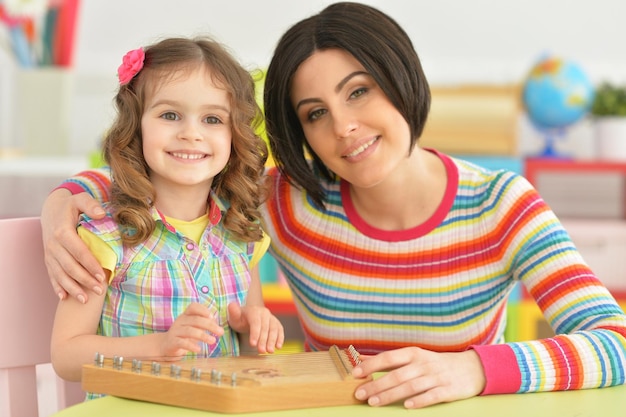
(154, 282)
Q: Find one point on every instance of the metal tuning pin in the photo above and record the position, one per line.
(216, 377)
(136, 367)
(99, 360)
(175, 371)
(233, 379)
(118, 362)
(196, 374)
(155, 369)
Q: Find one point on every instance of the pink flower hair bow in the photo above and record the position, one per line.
(132, 63)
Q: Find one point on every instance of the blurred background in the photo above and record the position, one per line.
(473, 42)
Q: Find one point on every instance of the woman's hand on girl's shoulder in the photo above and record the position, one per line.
(71, 267)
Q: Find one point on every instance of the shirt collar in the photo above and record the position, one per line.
(217, 207)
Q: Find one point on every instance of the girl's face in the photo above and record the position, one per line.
(186, 131)
(347, 119)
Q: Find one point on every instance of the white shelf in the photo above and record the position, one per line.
(42, 165)
(602, 243)
(25, 182)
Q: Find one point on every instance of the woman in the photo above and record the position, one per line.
(404, 252)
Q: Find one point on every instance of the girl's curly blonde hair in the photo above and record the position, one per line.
(242, 183)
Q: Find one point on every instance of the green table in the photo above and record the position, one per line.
(605, 402)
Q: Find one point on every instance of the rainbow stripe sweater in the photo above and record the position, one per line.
(444, 285)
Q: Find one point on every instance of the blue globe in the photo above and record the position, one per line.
(557, 93)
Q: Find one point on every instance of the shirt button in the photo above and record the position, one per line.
(204, 289)
(190, 246)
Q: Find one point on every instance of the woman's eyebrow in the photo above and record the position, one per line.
(343, 82)
(338, 88)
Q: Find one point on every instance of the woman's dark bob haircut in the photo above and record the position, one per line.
(378, 43)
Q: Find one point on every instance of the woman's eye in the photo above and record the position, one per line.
(169, 116)
(212, 120)
(358, 92)
(316, 114)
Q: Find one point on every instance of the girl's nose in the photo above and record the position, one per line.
(190, 130)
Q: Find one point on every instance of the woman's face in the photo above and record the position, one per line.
(347, 119)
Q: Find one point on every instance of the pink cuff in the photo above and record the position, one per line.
(501, 369)
(72, 187)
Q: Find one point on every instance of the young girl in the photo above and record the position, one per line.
(182, 228)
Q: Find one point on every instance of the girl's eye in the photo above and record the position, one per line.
(358, 92)
(212, 120)
(316, 114)
(169, 116)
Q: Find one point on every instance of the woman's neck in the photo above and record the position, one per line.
(407, 198)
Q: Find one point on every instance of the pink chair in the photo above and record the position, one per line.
(27, 309)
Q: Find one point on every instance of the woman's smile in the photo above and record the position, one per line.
(360, 151)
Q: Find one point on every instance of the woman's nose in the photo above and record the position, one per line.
(344, 123)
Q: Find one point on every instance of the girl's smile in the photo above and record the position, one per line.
(188, 156)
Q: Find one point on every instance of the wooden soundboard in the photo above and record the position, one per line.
(232, 384)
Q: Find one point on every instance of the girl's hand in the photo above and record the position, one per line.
(420, 377)
(195, 325)
(68, 260)
(266, 332)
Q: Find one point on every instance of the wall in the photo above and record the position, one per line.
(473, 41)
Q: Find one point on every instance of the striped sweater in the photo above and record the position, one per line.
(444, 285)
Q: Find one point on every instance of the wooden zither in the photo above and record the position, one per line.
(232, 384)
